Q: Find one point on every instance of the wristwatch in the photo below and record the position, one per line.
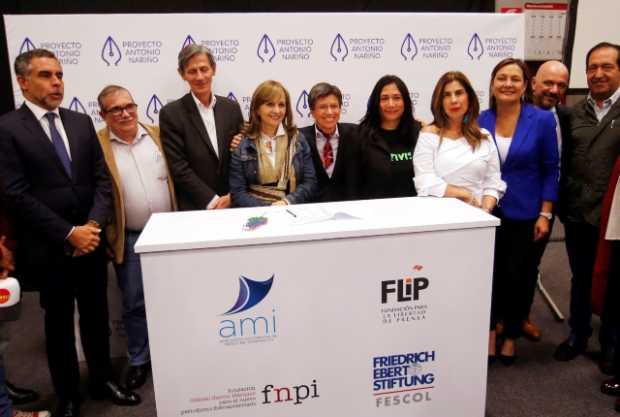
(546, 215)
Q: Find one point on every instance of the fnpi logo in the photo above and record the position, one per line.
(266, 51)
(110, 52)
(409, 48)
(27, 46)
(302, 107)
(153, 107)
(339, 49)
(76, 105)
(296, 393)
(475, 48)
(250, 293)
(188, 41)
(232, 97)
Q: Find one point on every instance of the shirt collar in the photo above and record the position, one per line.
(607, 102)
(38, 111)
(139, 135)
(202, 106)
(279, 132)
(320, 134)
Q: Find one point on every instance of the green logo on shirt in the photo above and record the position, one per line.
(402, 156)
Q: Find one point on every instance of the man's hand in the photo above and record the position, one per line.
(7, 264)
(84, 239)
(222, 202)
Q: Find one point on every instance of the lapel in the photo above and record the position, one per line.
(72, 135)
(44, 143)
(220, 116)
(338, 163)
(611, 116)
(316, 157)
(196, 119)
(524, 124)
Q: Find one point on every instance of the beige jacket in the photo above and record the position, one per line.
(115, 231)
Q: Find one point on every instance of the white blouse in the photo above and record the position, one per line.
(453, 162)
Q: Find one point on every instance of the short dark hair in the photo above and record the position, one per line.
(107, 90)
(407, 126)
(527, 79)
(322, 90)
(602, 45)
(22, 62)
(190, 51)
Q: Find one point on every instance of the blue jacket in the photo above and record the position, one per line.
(531, 169)
(244, 171)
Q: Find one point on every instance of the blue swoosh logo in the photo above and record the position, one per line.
(111, 53)
(475, 49)
(188, 41)
(302, 107)
(152, 109)
(27, 46)
(265, 50)
(76, 105)
(409, 48)
(339, 48)
(250, 294)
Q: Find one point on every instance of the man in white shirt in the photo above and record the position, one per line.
(196, 132)
(141, 186)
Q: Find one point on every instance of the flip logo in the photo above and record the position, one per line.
(475, 49)
(27, 46)
(302, 107)
(266, 51)
(76, 105)
(339, 49)
(409, 48)
(153, 108)
(110, 52)
(407, 289)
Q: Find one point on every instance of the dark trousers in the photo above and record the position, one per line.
(612, 299)
(541, 245)
(82, 280)
(581, 244)
(514, 274)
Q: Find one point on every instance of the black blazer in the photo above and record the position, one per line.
(198, 173)
(343, 182)
(46, 202)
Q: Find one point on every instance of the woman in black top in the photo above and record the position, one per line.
(388, 134)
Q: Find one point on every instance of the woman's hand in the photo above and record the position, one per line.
(279, 203)
(7, 265)
(541, 228)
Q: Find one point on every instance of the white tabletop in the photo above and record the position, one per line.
(222, 228)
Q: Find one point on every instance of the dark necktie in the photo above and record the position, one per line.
(328, 153)
(59, 144)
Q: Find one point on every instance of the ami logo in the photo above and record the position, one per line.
(406, 289)
(251, 293)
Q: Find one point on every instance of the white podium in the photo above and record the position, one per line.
(357, 309)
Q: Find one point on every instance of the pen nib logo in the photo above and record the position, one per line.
(409, 48)
(188, 41)
(27, 46)
(111, 53)
(302, 107)
(250, 293)
(232, 97)
(475, 49)
(339, 49)
(152, 109)
(266, 51)
(76, 105)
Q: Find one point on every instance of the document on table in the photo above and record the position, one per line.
(305, 214)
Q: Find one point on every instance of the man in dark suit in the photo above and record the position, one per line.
(590, 156)
(549, 90)
(332, 144)
(196, 132)
(59, 191)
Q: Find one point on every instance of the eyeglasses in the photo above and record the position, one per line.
(118, 110)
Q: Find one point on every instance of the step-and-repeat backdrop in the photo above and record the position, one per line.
(351, 50)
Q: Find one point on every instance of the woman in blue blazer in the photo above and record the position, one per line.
(527, 143)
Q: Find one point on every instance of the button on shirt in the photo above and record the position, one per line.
(601, 112)
(208, 118)
(39, 113)
(320, 145)
(143, 177)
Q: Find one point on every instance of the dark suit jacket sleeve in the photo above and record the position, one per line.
(173, 141)
(101, 211)
(550, 159)
(16, 188)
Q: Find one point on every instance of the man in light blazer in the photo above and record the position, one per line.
(59, 191)
(590, 156)
(141, 186)
(196, 132)
(332, 144)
